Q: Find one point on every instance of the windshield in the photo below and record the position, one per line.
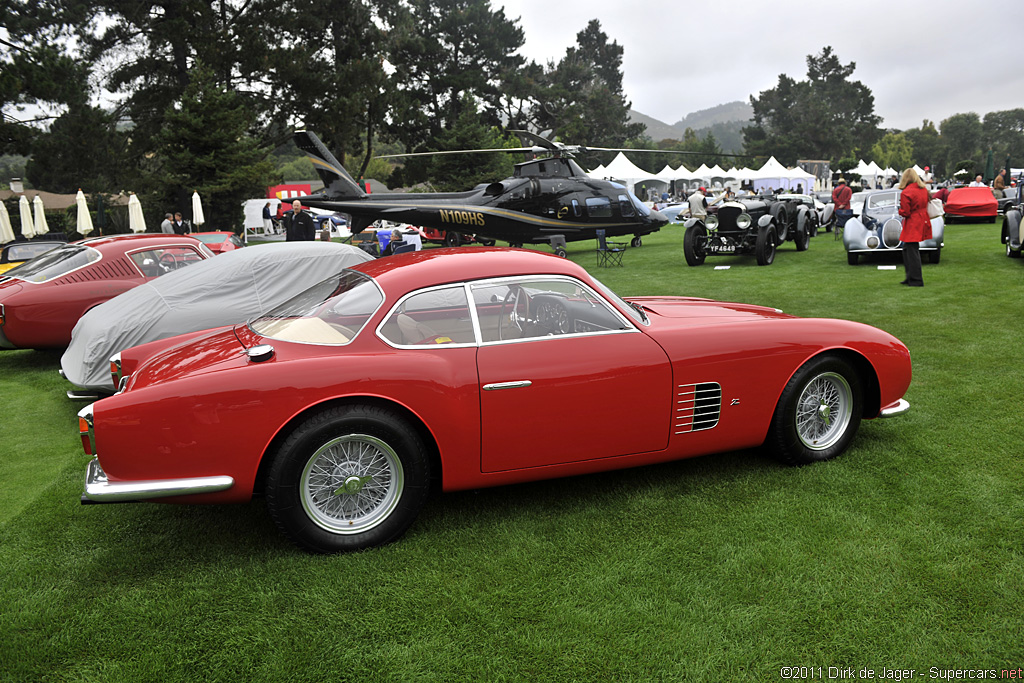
(214, 238)
(632, 311)
(882, 201)
(55, 263)
(330, 312)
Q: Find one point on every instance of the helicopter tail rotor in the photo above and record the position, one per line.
(338, 183)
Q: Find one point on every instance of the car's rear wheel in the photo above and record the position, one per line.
(694, 241)
(452, 239)
(818, 413)
(764, 249)
(348, 478)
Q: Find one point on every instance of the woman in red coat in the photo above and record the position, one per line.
(917, 227)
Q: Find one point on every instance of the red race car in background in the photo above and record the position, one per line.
(471, 368)
(219, 242)
(971, 205)
(42, 299)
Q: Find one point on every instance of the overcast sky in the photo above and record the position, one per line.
(920, 60)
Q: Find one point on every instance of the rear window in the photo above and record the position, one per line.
(55, 263)
(331, 312)
(28, 250)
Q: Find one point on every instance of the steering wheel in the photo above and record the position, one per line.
(515, 296)
(552, 315)
(168, 261)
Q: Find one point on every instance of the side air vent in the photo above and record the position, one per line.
(698, 407)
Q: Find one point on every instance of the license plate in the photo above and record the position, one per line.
(722, 248)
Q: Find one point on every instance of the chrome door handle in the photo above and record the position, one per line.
(508, 385)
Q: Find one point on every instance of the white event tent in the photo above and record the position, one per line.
(629, 174)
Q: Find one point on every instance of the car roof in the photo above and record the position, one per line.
(139, 240)
(415, 270)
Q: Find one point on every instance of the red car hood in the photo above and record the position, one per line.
(705, 309)
(197, 355)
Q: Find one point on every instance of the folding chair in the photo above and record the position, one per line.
(608, 253)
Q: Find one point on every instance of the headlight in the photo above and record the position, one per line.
(872, 242)
(743, 221)
(711, 222)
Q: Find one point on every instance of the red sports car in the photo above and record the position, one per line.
(219, 242)
(473, 368)
(973, 204)
(42, 299)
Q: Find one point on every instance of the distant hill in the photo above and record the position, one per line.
(725, 122)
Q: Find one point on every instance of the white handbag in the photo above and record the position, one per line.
(935, 208)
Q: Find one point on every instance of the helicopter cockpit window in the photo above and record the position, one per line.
(640, 206)
(577, 210)
(599, 207)
(625, 206)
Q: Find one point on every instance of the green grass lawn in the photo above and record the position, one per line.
(906, 552)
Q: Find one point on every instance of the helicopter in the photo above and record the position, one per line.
(547, 200)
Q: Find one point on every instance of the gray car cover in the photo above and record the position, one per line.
(228, 289)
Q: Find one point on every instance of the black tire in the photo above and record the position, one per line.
(516, 245)
(636, 241)
(1011, 253)
(934, 256)
(452, 239)
(764, 250)
(560, 251)
(781, 218)
(818, 413)
(852, 258)
(802, 237)
(694, 240)
(370, 482)
(486, 242)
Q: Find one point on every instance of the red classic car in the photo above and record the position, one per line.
(973, 204)
(42, 299)
(473, 368)
(219, 242)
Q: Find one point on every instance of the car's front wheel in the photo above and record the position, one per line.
(694, 240)
(818, 413)
(348, 478)
(764, 249)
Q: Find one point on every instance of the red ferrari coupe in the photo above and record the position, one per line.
(475, 368)
(972, 204)
(42, 299)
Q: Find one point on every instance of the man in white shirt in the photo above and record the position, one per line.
(977, 182)
(698, 204)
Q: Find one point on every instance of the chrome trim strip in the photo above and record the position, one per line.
(497, 386)
(100, 490)
(90, 396)
(901, 407)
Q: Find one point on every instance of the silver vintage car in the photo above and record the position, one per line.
(877, 229)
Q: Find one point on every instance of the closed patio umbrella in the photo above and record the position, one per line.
(84, 225)
(41, 227)
(28, 228)
(197, 210)
(136, 221)
(6, 231)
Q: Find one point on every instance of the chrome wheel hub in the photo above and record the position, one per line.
(351, 484)
(824, 411)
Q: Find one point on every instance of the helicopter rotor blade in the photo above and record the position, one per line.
(537, 140)
(662, 151)
(535, 150)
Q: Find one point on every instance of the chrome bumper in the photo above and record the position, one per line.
(901, 407)
(98, 489)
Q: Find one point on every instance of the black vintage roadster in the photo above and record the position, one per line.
(754, 225)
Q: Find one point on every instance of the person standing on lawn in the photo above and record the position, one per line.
(917, 227)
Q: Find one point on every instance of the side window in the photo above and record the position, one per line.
(437, 316)
(599, 207)
(157, 262)
(626, 206)
(532, 309)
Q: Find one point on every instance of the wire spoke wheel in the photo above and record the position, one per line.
(351, 484)
(824, 410)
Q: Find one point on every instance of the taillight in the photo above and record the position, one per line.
(85, 430)
(115, 370)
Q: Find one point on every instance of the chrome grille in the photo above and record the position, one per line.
(698, 407)
(891, 233)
